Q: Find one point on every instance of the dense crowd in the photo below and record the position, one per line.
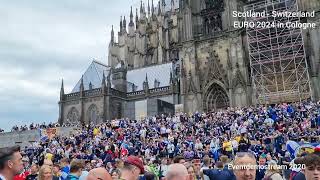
(33, 126)
(207, 144)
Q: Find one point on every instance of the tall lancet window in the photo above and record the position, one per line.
(93, 114)
(211, 14)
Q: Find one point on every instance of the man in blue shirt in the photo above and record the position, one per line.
(66, 168)
(76, 168)
(219, 173)
(261, 170)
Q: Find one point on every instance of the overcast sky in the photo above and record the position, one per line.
(43, 41)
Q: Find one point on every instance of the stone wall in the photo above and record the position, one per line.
(24, 138)
(96, 100)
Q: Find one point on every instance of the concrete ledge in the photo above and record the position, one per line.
(25, 138)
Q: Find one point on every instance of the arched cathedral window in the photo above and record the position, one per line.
(211, 14)
(93, 114)
(73, 116)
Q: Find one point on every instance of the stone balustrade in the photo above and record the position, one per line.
(161, 89)
(135, 93)
(114, 92)
(72, 96)
(93, 92)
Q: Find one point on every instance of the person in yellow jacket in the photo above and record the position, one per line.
(49, 156)
(227, 147)
(238, 137)
(96, 131)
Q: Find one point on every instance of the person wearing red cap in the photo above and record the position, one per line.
(317, 151)
(124, 152)
(133, 167)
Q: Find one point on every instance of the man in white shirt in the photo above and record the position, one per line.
(10, 162)
(235, 145)
(170, 149)
(198, 145)
(147, 153)
(243, 129)
(143, 134)
(164, 166)
(168, 131)
(163, 130)
(206, 165)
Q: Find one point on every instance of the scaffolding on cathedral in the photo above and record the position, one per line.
(279, 70)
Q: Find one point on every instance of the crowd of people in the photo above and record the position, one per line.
(32, 126)
(198, 146)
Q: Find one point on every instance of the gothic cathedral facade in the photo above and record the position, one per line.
(185, 52)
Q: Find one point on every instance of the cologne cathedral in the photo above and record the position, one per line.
(187, 55)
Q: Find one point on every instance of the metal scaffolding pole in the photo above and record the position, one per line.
(279, 70)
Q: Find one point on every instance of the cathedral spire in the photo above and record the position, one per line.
(141, 8)
(81, 85)
(62, 86)
(159, 9)
(172, 5)
(120, 23)
(142, 11)
(124, 25)
(137, 18)
(152, 8)
(62, 90)
(103, 82)
(146, 83)
(112, 35)
(131, 17)
(148, 8)
(108, 79)
(90, 86)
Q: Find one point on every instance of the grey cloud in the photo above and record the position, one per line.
(44, 41)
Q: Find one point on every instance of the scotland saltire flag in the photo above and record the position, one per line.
(43, 135)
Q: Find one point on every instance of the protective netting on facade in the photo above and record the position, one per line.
(279, 70)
